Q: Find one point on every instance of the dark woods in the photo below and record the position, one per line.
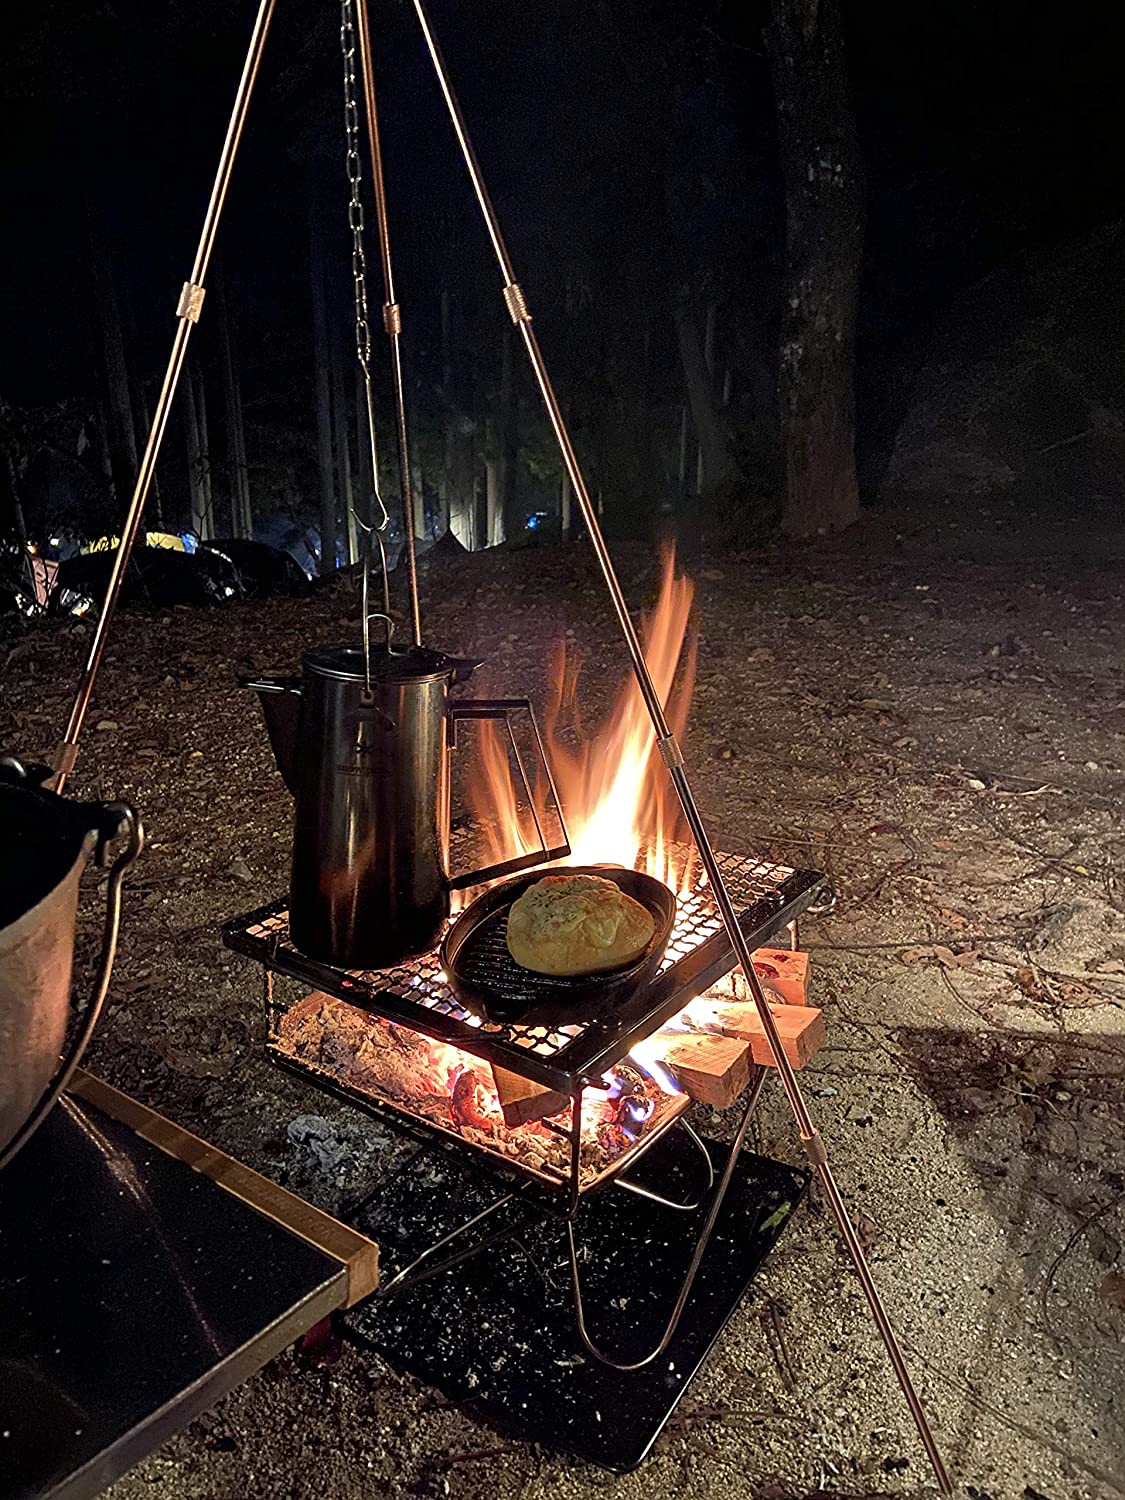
(683, 191)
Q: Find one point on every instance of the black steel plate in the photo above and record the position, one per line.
(486, 978)
(497, 1332)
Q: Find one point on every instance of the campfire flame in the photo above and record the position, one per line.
(619, 803)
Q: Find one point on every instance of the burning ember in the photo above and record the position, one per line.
(455, 1091)
(619, 805)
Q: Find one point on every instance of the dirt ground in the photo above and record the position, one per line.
(933, 711)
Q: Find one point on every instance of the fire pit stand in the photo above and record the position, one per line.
(671, 1179)
(568, 1059)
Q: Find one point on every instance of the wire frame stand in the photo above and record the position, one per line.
(188, 311)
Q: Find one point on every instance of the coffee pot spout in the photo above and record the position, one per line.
(280, 698)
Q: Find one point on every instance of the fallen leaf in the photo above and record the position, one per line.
(867, 1231)
(945, 956)
(952, 918)
(1028, 981)
(958, 960)
(1112, 1290)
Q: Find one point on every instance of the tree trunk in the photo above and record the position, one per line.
(342, 430)
(364, 478)
(493, 510)
(122, 434)
(823, 178)
(241, 515)
(509, 439)
(141, 426)
(715, 459)
(566, 496)
(199, 462)
(12, 524)
(322, 355)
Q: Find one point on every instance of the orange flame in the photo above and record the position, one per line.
(619, 803)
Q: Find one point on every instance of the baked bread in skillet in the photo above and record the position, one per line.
(569, 925)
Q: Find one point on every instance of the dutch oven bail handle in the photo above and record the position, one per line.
(110, 821)
(501, 709)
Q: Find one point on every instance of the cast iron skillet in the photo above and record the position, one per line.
(487, 980)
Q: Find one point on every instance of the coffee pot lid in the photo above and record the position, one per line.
(410, 664)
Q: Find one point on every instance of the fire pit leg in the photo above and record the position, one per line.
(696, 1259)
(410, 1277)
(686, 1208)
(574, 1184)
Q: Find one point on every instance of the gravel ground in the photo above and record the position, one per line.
(936, 716)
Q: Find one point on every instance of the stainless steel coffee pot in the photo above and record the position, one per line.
(363, 743)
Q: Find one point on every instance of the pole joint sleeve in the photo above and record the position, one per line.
(815, 1149)
(190, 304)
(670, 752)
(517, 303)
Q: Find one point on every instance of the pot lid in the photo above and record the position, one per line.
(411, 664)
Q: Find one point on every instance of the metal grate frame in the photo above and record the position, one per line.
(565, 1057)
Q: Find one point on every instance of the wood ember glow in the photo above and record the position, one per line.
(455, 1092)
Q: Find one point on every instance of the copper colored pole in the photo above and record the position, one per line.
(392, 313)
(673, 759)
(187, 311)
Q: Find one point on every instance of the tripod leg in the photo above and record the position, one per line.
(673, 759)
(187, 311)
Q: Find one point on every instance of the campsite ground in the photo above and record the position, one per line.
(933, 711)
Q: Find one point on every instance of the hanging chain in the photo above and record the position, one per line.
(359, 258)
(380, 520)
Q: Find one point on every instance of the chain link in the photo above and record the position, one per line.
(356, 225)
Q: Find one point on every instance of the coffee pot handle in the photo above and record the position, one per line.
(501, 710)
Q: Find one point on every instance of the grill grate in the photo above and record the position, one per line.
(414, 993)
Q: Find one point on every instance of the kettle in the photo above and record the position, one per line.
(362, 740)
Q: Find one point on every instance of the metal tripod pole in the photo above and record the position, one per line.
(392, 312)
(187, 311)
(673, 759)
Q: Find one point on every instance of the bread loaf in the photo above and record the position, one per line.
(577, 924)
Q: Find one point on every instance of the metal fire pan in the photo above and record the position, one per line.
(487, 980)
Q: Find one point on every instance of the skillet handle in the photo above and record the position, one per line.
(501, 710)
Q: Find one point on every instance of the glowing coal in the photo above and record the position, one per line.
(454, 1091)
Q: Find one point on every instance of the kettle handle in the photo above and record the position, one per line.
(501, 709)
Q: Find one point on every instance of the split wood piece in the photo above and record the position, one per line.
(522, 1101)
(801, 1027)
(785, 970)
(711, 1069)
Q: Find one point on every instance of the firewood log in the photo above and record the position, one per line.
(801, 1027)
(522, 1101)
(710, 1069)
